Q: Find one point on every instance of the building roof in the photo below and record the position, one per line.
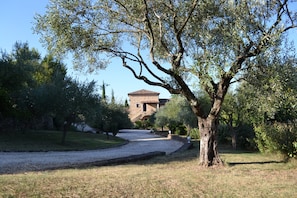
(163, 101)
(144, 92)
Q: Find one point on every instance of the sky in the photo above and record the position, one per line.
(16, 22)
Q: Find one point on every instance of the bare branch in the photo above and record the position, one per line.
(146, 80)
(152, 42)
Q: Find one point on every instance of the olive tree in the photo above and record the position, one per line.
(171, 44)
(176, 112)
(272, 106)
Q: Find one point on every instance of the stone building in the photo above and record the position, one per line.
(143, 104)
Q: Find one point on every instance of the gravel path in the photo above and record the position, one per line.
(140, 142)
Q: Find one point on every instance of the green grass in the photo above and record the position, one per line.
(51, 141)
(177, 175)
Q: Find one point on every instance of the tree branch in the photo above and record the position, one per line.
(146, 80)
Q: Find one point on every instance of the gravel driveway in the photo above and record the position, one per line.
(140, 142)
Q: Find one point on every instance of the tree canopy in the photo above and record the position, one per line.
(176, 112)
(211, 40)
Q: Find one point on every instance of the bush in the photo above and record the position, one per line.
(142, 124)
(294, 153)
(224, 135)
(244, 136)
(277, 138)
(138, 124)
(195, 133)
(180, 130)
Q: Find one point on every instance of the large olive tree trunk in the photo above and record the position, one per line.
(208, 141)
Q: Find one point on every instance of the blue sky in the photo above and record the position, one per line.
(16, 22)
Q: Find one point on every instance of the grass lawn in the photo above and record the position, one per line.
(51, 141)
(177, 175)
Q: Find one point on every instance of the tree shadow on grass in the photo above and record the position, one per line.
(257, 162)
(229, 150)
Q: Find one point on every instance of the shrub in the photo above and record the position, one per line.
(277, 138)
(194, 133)
(224, 135)
(244, 136)
(180, 130)
(138, 124)
(142, 124)
(294, 153)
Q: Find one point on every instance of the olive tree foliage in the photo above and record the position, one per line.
(112, 117)
(177, 112)
(171, 44)
(272, 103)
(236, 127)
(275, 87)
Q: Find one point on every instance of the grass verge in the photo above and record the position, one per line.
(43, 140)
(176, 175)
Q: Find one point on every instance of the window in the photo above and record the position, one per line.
(137, 105)
(144, 107)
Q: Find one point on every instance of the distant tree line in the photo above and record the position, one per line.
(36, 93)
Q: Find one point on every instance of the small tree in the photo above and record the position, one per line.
(112, 97)
(103, 95)
(235, 121)
(161, 120)
(112, 117)
(176, 112)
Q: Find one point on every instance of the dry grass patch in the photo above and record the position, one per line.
(171, 176)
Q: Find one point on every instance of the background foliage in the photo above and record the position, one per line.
(36, 93)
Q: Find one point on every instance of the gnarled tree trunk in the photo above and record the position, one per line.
(208, 141)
